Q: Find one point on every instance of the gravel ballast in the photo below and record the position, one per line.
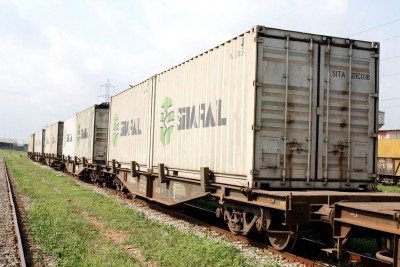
(8, 248)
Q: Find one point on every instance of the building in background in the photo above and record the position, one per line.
(11, 143)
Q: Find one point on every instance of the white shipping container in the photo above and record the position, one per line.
(204, 111)
(69, 137)
(53, 139)
(272, 109)
(39, 141)
(268, 109)
(91, 133)
(47, 140)
(129, 128)
(31, 143)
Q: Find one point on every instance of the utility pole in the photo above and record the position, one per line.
(107, 87)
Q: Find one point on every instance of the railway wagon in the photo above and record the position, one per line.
(278, 126)
(91, 137)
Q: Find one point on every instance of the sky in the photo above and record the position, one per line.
(55, 55)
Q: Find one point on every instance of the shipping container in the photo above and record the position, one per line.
(31, 143)
(54, 139)
(39, 142)
(129, 126)
(272, 109)
(69, 137)
(91, 133)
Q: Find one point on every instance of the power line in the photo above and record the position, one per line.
(388, 75)
(389, 38)
(389, 107)
(389, 58)
(387, 99)
(375, 27)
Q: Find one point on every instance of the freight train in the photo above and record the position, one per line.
(279, 127)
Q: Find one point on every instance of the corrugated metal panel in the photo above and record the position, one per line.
(39, 141)
(274, 100)
(53, 139)
(84, 133)
(69, 137)
(60, 135)
(91, 128)
(204, 110)
(100, 134)
(31, 143)
(315, 125)
(351, 126)
(47, 140)
(129, 127)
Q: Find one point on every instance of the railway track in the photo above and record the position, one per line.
(310, 253)
(212, 225)
(11, 250)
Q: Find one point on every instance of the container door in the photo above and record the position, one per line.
(316, 119)
(285, 132)
(348, 121)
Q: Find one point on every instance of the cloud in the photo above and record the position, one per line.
(55, 55)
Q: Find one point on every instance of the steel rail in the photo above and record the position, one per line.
(15, 218)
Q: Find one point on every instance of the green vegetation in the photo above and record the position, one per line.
(388, 188)
(75, 226)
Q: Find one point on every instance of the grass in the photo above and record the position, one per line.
(389, 189)
(58, 226)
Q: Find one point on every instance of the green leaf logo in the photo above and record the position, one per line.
(115, 132)
(166, 121)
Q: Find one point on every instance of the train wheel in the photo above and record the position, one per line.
(283, 241)
(281, 237)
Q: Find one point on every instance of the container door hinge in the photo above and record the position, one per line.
(374, 55)
(258, 39)
(373, 95)
(372, 175)
(256, 84)
(254, 172)
(373, 135)
(256, 128)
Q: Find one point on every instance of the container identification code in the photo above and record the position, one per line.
(354, 75)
